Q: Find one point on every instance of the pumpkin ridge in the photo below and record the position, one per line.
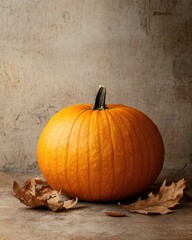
(56, 160)
(152, 133)
(88, 159)
(137, 123)
(131, 140)
(112, 146)
(148, 147)
(99, 138)
(60, 178)
(123, 117)
(154, 140)
(78, 140)
(67, 148)
(134, 152)
(122, 139)
(147, 144)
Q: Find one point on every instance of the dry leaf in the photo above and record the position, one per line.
(167, 198)
(33, 195)
(115, 214)
(40, 181)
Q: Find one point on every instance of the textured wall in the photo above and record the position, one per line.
(55, 53)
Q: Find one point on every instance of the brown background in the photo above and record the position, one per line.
(56, 53)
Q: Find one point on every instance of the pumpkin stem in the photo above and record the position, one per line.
(100, 99)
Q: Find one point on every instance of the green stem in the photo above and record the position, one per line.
(100, 99)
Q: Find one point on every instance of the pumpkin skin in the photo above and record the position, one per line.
(100, 155)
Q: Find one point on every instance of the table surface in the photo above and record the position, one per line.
(86, 221)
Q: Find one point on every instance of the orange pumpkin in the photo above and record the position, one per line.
(100, 153)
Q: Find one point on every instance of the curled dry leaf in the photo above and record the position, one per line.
(115, 214)
(36, 193)
(166, 198)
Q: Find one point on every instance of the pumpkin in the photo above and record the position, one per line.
(101, 152)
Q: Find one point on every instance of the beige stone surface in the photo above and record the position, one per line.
(87, 221)
(56, 53)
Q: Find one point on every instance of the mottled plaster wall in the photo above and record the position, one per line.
(55, 53)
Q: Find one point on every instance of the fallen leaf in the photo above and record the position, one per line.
(115, 214)
(167, 198)
(40, 181)
(33, 195)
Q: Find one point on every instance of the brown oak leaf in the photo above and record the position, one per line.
(36, 193)
(166, 198)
